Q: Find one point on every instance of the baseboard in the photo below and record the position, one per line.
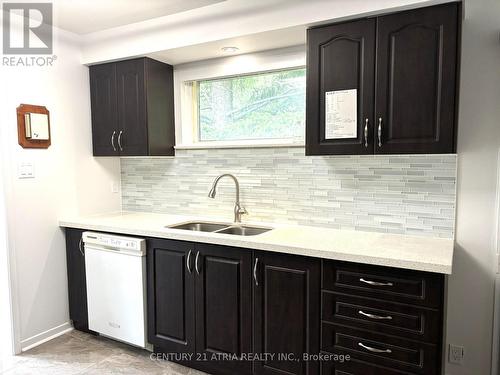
(48, 335)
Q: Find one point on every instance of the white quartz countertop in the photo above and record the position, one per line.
(392, 250)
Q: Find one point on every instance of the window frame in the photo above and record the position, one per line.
(196, 111)
(289, 58)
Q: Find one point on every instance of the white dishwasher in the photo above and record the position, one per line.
(115, 267)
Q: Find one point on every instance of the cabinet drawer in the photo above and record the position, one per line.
(354, 367)
(411, 287)
(377, 349)
(380, 316)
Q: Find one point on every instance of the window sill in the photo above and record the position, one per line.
(225, 145)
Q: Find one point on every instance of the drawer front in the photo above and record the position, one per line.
(411, 287)
(377, 349)
(381, 316)
(355, 367)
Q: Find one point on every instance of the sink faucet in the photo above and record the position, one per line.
(238, 210)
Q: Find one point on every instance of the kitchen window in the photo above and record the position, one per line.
(255, 107)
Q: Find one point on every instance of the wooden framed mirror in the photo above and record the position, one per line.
(33, 126)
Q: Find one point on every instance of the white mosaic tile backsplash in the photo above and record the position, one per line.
(410, 194)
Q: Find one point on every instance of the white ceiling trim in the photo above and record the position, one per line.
(86, 16)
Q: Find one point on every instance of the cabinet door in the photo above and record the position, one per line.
(286, 313)
(171, 296)
(223, 308)
(133, 135)
(77, 285)
(340, 57)
(104, 117)
(416, 81)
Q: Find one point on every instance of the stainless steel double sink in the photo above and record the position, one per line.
(224, 228)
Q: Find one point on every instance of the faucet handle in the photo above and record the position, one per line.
(238, 211)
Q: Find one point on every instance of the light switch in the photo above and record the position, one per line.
(25, 169)
(115, 187)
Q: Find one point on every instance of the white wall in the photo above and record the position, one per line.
(68, 181)
(5, 305)
(471, 287)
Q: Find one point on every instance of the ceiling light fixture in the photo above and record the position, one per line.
(230, 49)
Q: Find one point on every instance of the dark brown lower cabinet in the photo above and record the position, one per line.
(226, 310)
(378, 349)
(388, 321)
(356, 367)
(77, 282)
(223, 308)
(170, 291)
(286, 313)
(200, 305)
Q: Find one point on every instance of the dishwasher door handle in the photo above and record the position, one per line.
(80, 246)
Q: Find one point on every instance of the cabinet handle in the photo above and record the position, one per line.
(366, 133)
(375, 283)
(376, 317)
(120, 140)
(113, 140)
(80, 247)
(188, 262)
(374, 350)
(380, 132)
(255, 272)
(196, 263)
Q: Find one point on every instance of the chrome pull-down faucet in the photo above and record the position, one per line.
(238, 209)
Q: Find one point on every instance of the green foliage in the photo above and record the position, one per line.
(260, 106)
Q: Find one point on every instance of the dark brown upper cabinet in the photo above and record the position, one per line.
(340, 57)
(132, 108)
(416, 81)
(404, 68)
(104, 114)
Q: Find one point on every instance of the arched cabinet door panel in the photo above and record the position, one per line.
(416, 81)
(341, 57)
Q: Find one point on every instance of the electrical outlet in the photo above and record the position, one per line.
(456, 354)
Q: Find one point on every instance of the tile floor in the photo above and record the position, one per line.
(80, 353)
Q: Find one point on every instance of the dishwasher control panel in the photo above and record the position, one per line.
(114, 242)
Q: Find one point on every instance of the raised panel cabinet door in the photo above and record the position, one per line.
(340, 57)
(77, 285)
(104, 116)
(223, 308)
(132, 118)
(286, 313)
(416, 81)
(170, 291)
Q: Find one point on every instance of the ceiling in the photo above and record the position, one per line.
(87, 16)
(182, 31)
(293, 36)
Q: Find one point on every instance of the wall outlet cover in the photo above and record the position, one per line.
(25, 169)
(456, 354)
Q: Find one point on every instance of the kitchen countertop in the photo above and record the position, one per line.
(392, 250)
